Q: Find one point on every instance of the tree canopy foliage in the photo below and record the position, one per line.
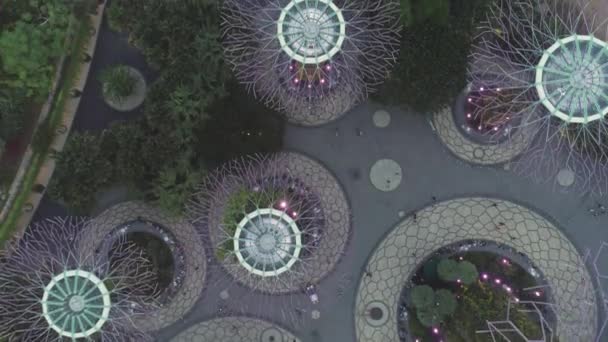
(435, 45)
(32, 37)
(195, 115)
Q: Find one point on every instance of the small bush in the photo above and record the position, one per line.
(118, 83)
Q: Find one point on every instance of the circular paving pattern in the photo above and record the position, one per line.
(401, 252)
(385, 175)
(283, 170)
(565, 177)
(476, 153)
(381, 118)
(185, 235)
(571, 79)
(135, 99)
(235, 329)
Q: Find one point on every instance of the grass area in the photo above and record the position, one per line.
(68, 78)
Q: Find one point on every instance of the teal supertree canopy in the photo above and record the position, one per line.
(572, 79)
(546, 62)
(52, 291)
(76, 303)
(313, 60)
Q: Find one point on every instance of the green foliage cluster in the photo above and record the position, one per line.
(432, 307)
(477, 303)
(12, 112)
(117, 83)
(435, 45)
(190, 120)
(481, 303)
(450, 271)
(83, 172)
(32, 37)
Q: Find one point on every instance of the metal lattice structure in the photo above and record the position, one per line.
(311, 59)
(52, 291)
(550, 59)
(266, 223)
(583, 325)
(275, 224)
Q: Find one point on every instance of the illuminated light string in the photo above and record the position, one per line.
(484, 276)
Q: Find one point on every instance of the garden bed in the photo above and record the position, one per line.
(454, 294)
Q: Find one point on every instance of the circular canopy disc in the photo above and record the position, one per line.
(267, 242)
(311, 31)
(76, 303)
(572, 79)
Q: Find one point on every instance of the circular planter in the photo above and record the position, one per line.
(191, 259)
(132, 101)
(400, 253)
(466, 148)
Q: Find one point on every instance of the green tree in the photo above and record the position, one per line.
(30, 46)
(445, 303)
(468, 273)
(428, 316)
(174, 187)
(448, 270)
(422, 296)
(81, 172)
(435, 46)
(117, 83)
(12, 112)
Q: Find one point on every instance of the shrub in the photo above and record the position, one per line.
(432, 307)
(450, 270)
(12, 112)
(422, 296)
(118, 83)
(81, 172)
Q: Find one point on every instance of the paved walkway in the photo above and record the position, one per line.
(429, 170)
(235, 329)
(405, 248)
(313, 175)
(184, 234)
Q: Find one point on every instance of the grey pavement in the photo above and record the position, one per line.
(429, 170)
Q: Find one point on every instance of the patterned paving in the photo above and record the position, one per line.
(335, 232)
(235, 329)
(410, 243)
(476, 153)
(184, 233)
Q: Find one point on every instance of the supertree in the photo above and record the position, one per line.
(52, 291)
(587, 322)
(311, 59)
(548, 61)
(276, 224)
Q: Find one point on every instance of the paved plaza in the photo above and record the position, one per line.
(414, 239)
(186, 238)
(456, 189)
(235, 329)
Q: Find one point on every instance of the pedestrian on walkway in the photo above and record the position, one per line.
(359, 132)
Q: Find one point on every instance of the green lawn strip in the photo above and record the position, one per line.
(69, 77)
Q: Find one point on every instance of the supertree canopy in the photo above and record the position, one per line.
(267, 224)
(551, 58)
(311, 59)
(51, 291)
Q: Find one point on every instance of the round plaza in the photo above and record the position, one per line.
(414, 239)
(189, 269)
